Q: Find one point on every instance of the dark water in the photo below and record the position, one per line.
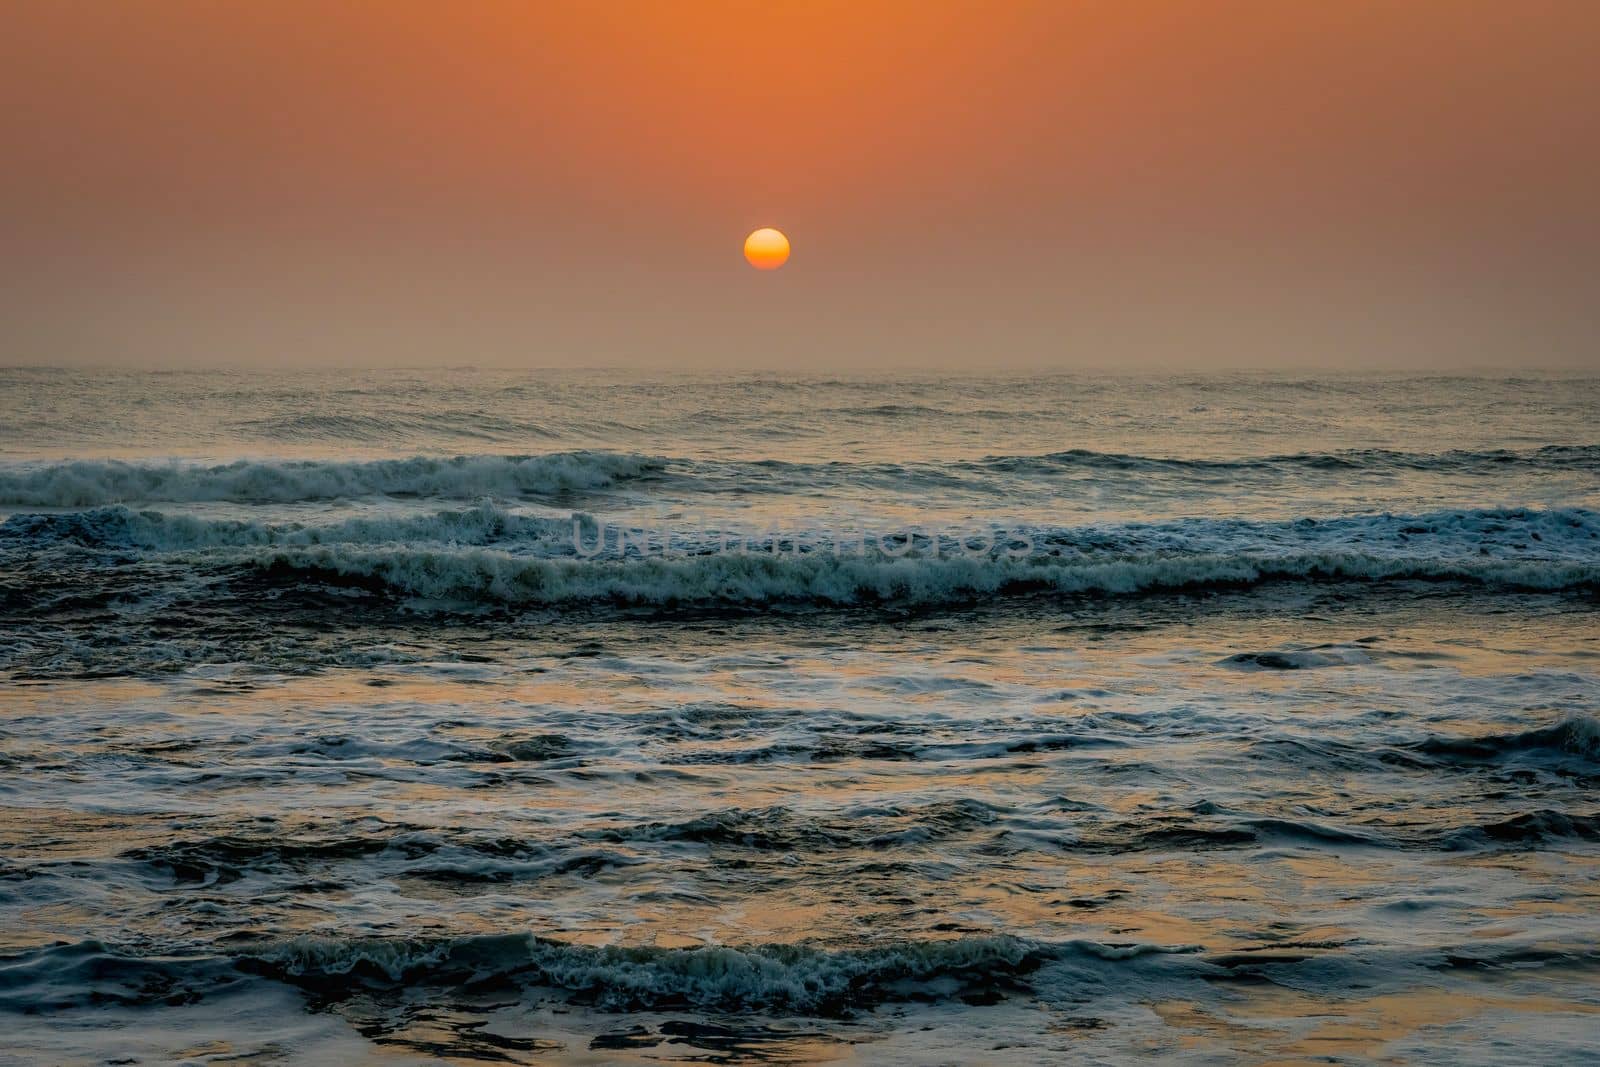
(520, 718)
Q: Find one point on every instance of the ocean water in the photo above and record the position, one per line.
(572, 717)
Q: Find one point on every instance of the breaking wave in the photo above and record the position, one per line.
(485, 575)
(489, 554)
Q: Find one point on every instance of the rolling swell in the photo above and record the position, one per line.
(774, 978)
(1551, 457)
(121, 527)
(1576, 735)
(94, 483)
(465, 425)
(487, 576)
(777, 978)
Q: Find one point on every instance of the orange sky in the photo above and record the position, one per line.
(1055, 184)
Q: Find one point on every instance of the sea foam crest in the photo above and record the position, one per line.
(1524, 549)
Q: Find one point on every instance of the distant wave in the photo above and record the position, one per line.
(120, 527)
(892, 411)
(91, 483)
(1569, 457)
(466, 425)
(1347, 462)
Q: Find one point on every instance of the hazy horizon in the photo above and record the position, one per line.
(1052, 187)
(843, 371)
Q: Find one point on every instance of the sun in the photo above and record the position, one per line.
(766, 249)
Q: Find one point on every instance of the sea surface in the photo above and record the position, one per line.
(522, 717)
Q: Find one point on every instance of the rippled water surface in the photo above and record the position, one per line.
(516, 718)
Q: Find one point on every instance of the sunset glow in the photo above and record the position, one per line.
(1128, 592)
(380, 183)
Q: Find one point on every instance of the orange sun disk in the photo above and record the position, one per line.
(766, 249)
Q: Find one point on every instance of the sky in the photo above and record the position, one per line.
(1184, 185)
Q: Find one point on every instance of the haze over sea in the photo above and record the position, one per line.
(909, 720)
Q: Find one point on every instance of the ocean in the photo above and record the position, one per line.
(593, 717)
